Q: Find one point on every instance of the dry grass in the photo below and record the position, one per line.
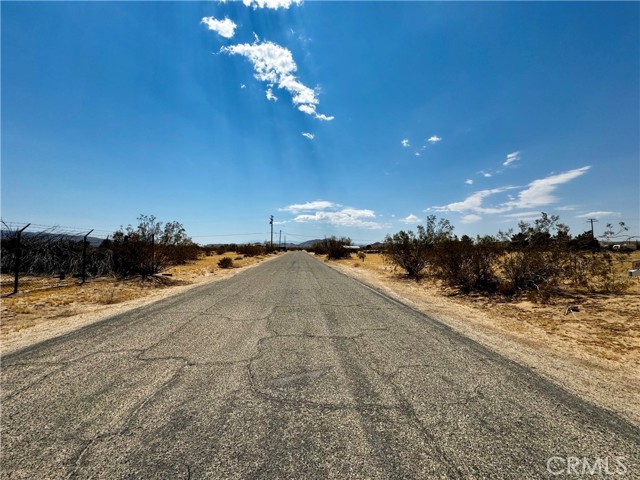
(606, 325)
(56, 299)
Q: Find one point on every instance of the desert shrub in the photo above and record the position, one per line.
(466, 265)
(603, 276)
(362, 256)
(413, 251)
(319, 248)
(225, 262)
(249, 250)
(531, 270)
(150, 247)
(333, 247)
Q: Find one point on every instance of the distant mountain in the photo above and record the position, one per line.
(309, 243)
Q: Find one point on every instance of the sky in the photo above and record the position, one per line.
(354, 119)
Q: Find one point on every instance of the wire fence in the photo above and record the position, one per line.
(34, 258)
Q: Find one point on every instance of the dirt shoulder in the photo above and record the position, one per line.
(35, 316)
(594, 352)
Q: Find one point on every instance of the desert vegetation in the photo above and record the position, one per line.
(54, 257)
(538, 260)
(333, 247)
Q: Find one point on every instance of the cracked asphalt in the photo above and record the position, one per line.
(288, 370)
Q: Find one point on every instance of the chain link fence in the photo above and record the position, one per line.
(33, 258)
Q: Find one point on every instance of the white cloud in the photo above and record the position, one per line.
(348, 217)
(322, 211)
(271, 96)
(471, 218)
(321, 116)
(225, 28)
(536, 194)
(411, 218)
(535, 214)
(473, 203)
(309, 206)
(273, 4)
(511, 157)
(242, 85)
(274, 65)
(598, 215)
(540, 192)
(405, 143)
(417, 154)
(468, 181)
(486, 175)
(310, 136)
(567, 208)
(434, 139)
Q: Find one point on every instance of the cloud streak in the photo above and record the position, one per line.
(538, 193)
(598, 215)
(511, 157)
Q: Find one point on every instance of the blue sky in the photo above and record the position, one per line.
(346, 118)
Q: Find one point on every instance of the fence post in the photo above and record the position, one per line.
(17, 262)
(84, 256)
(153, 254)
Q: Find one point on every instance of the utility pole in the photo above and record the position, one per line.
(592, 221)
(280, 240)
(271, 223)
(84, 256)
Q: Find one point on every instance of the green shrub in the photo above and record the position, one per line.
(225, 262)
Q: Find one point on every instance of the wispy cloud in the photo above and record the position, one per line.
(521, 215)
(538, 193)
(434, 139)
(225, 28)
(309, 206)
(405, 143)
(471, 218)
(310, 136)
(274, 65)
(473, 203)
(598, 215)
(242, 85)
(272, 4)
(411, 219)
(486, 174)
(511, 157)
(468, 181)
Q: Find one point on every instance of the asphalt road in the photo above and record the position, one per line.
(291, 370)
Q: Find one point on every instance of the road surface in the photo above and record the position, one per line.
(291, 370)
